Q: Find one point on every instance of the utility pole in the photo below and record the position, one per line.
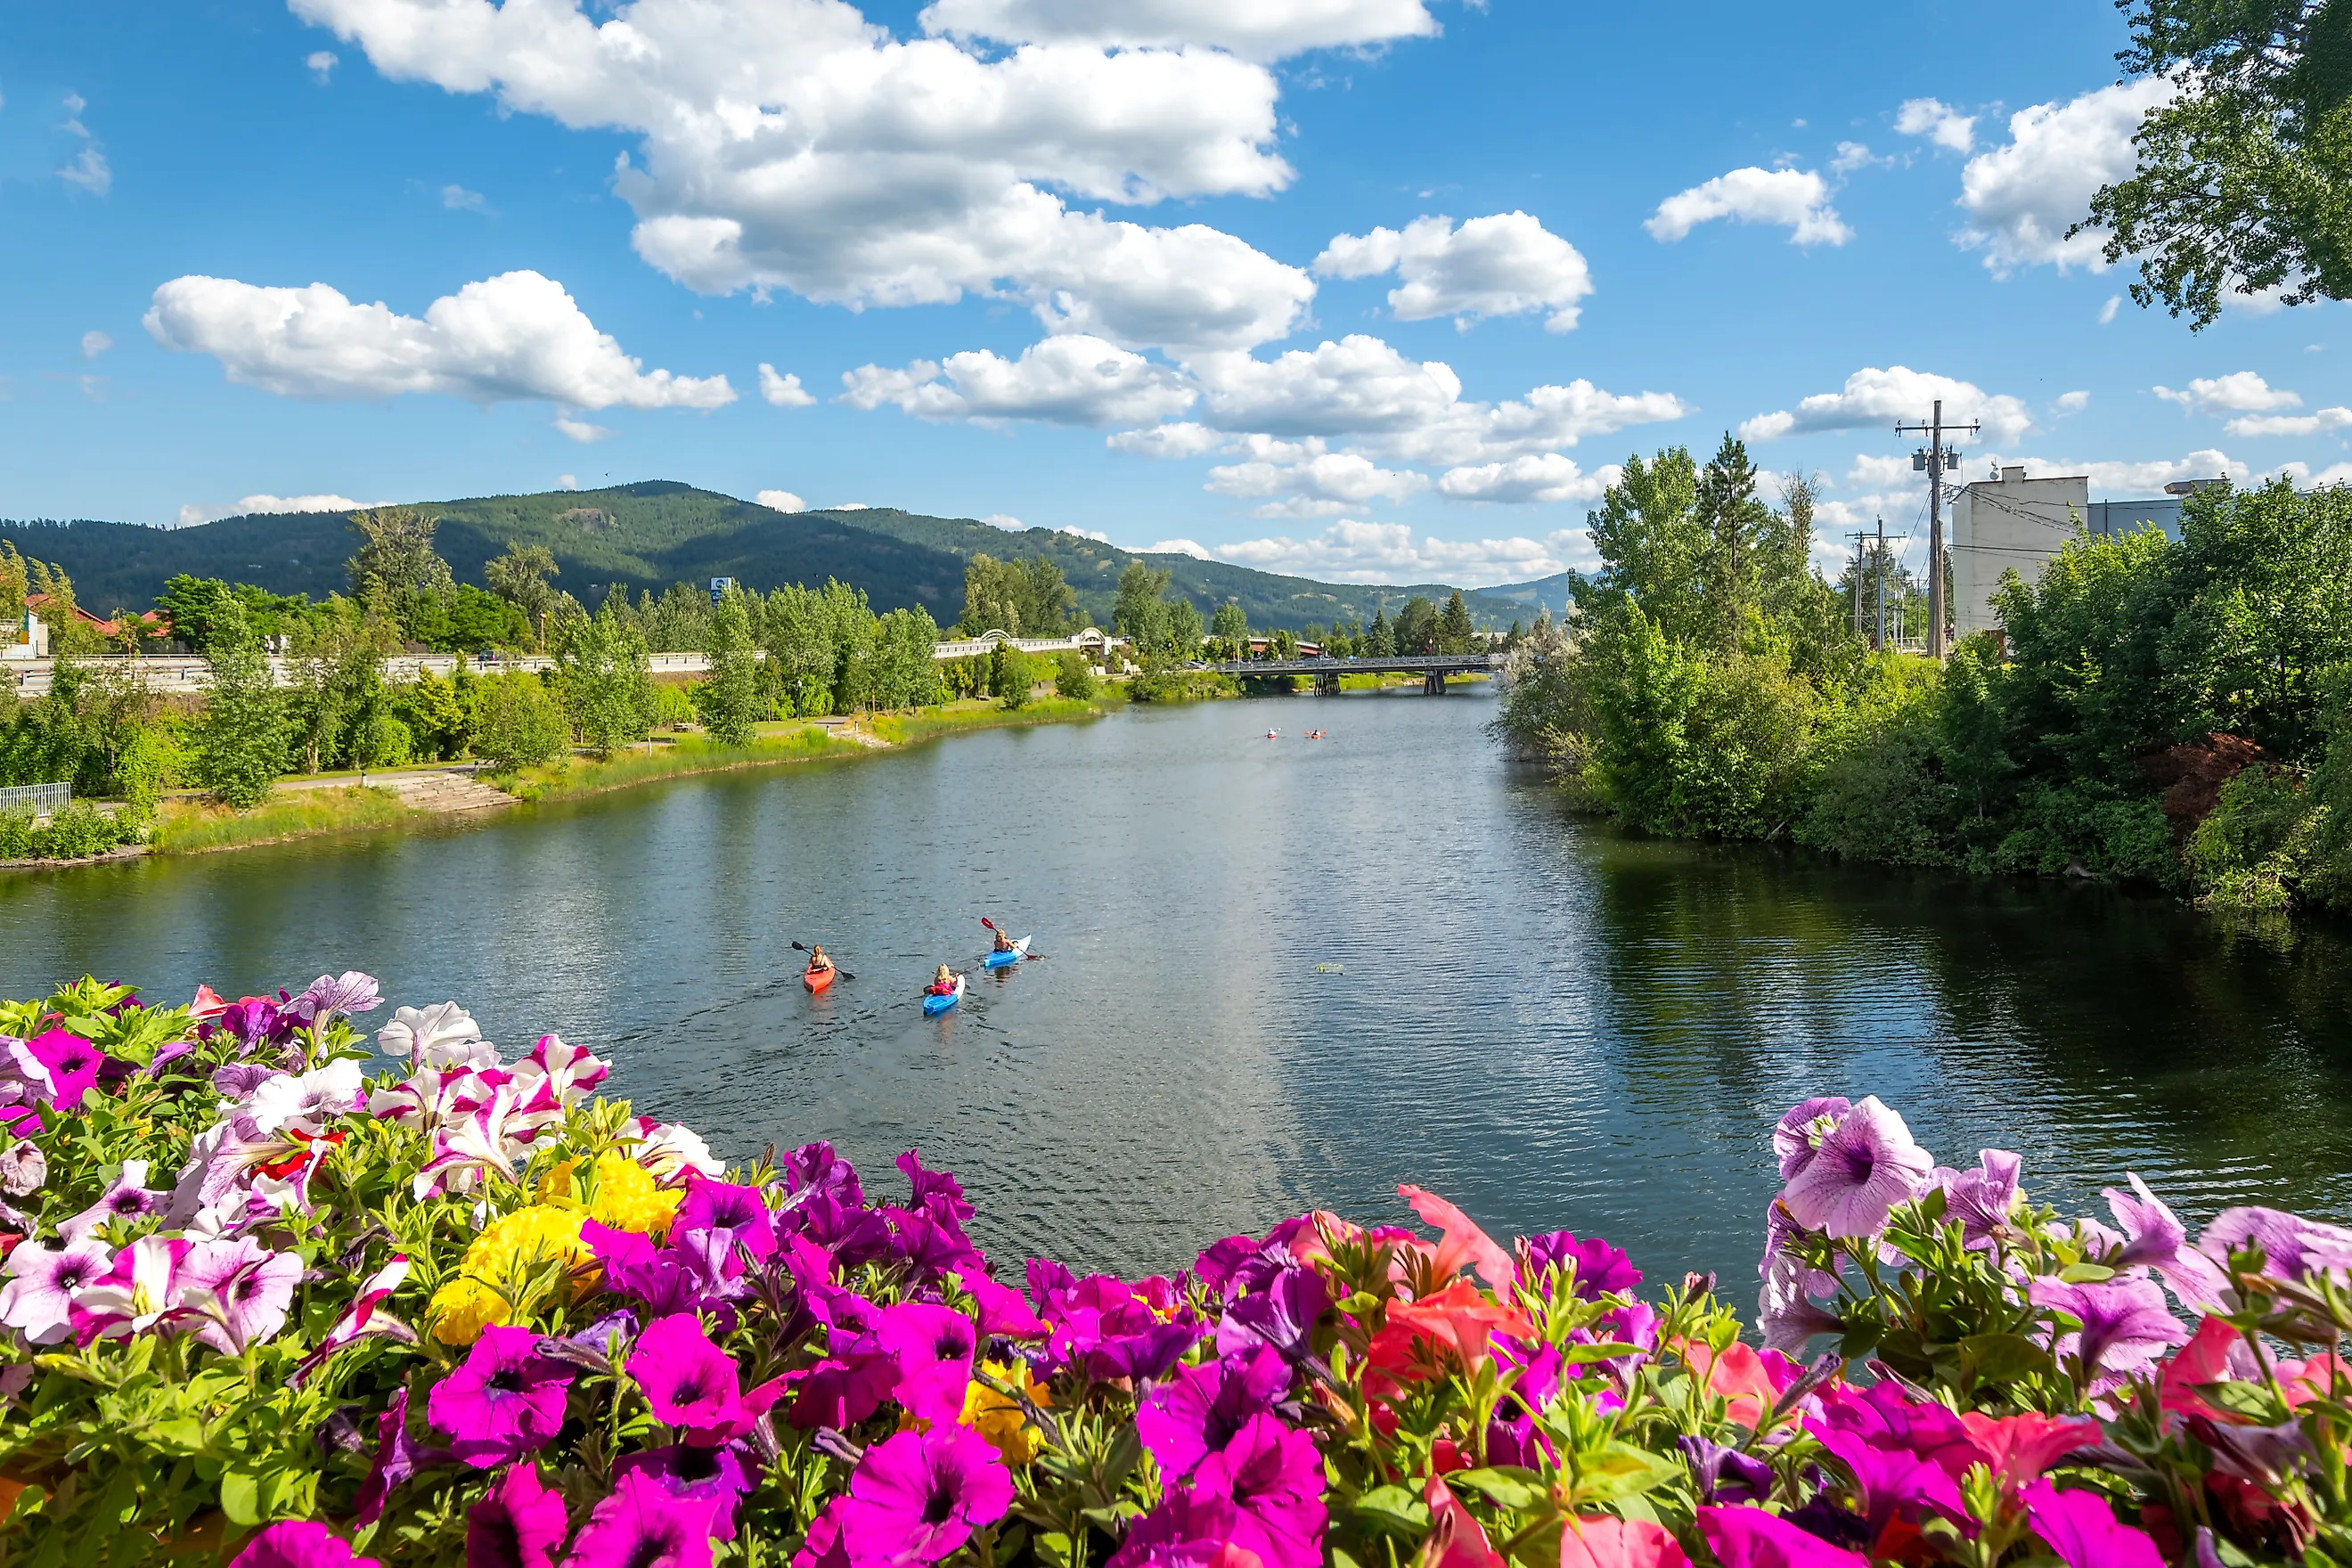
(1881, 644)
(1861, 536)
(1934, 459)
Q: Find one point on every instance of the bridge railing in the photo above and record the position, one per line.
(1414, 664)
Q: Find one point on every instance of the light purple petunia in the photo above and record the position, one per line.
(917, 1496)
(689, 1381)
(23, 1169)
(2155, 1238)
(505, 1401)
(1196, 1411)
(1786, 1313)
(42, 1283)
(644, 1525)
(520, 1523)
(237, 1291)
(1801, 1132)
(2294, 1247)
(335, 996)
(1981, 1201)
(2125, 1322)
(1865, 1166)
(127, 1199)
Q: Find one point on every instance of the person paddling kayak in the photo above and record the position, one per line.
(820, 970)
(1004, 940)
(942, 985)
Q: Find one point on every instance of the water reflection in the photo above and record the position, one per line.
(1280, 974)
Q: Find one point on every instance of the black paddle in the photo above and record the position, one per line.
(836, 968)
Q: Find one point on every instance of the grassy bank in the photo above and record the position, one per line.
(195, 827)
(676, 758)
(930, 723)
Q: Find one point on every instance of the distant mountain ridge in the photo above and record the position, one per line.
(651, 535)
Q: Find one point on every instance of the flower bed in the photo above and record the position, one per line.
(264, 1311)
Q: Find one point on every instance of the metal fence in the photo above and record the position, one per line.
(38, 799)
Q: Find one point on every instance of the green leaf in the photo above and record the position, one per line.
(2002, 1357)
(1582, 1356)
(1505, 1486)
(1622, 1471)
(1394, 1510)
(2086, 1273)
(240, 1493)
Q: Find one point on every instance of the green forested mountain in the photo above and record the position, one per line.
(652, 534)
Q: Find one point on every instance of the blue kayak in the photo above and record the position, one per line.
(1009, 957)
(934, 1003)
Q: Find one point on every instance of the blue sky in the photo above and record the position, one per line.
(1374, 290)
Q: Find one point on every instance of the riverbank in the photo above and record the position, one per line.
(312, 806)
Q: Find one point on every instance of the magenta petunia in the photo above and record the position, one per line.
(1274, 1477)
(505, 1401)
(1750, 1538)
(299, 1543)
(689, 1381)
(933, 1348)
(1601, 1269)
(917, 1496)
(1865, 1166)
(1184, 1531)
(720, 1218)
(1198, 1411)
(397, 1457)
(73, 1065)
(718, 1474)
(2084, 1532)
(1004, 1312)
(643, 1525)
(934, 1189)
(519, 1524)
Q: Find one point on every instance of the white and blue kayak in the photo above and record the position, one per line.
(936, 1002)
(1009, 957)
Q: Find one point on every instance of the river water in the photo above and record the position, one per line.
(1281, 974)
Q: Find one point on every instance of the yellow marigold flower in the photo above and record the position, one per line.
(506, 1253)
(628, 1198)
(463, 1307)
(998, 1419)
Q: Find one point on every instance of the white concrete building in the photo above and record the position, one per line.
(2012, 523)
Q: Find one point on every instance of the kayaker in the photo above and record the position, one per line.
(1003, 942)
(944, 984)
(818, 961)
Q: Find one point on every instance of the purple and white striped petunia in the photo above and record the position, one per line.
(1864, 1165)
(43, 1281)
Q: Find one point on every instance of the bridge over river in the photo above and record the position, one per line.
(1433, 668)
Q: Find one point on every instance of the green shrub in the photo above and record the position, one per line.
(517, 724)
(386, 743)
(1015, 676)
(2251, 852)
(2089, 828)
(79, 831)
(1074, 678)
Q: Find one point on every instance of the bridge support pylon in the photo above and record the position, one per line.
(1327, 684)
(1433, 684)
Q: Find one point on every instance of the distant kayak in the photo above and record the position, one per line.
(1009, 957)
(934, 1003)
(818, 980)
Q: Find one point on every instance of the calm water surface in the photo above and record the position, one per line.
(1553, 1024)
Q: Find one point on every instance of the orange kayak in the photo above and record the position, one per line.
(816, 979)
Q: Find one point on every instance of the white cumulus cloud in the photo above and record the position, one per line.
(780, 500)
(2319, 421)
(1181, 439)
(582, 431)
(94, 344)
(515, 336)
(2240, 392)
(1254, 30)
(267, 505)
(783, 391)
(1076, 380)
(1354, 552)
(1939, 122)
(1504, 265)
(1794, 199)
(2071, 401)
(458, 199)
(792, 144)
(2021, 197)
(1546, 480)
(1298, 479)
(322, 65)
(1896, 394)
(1193, 547)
